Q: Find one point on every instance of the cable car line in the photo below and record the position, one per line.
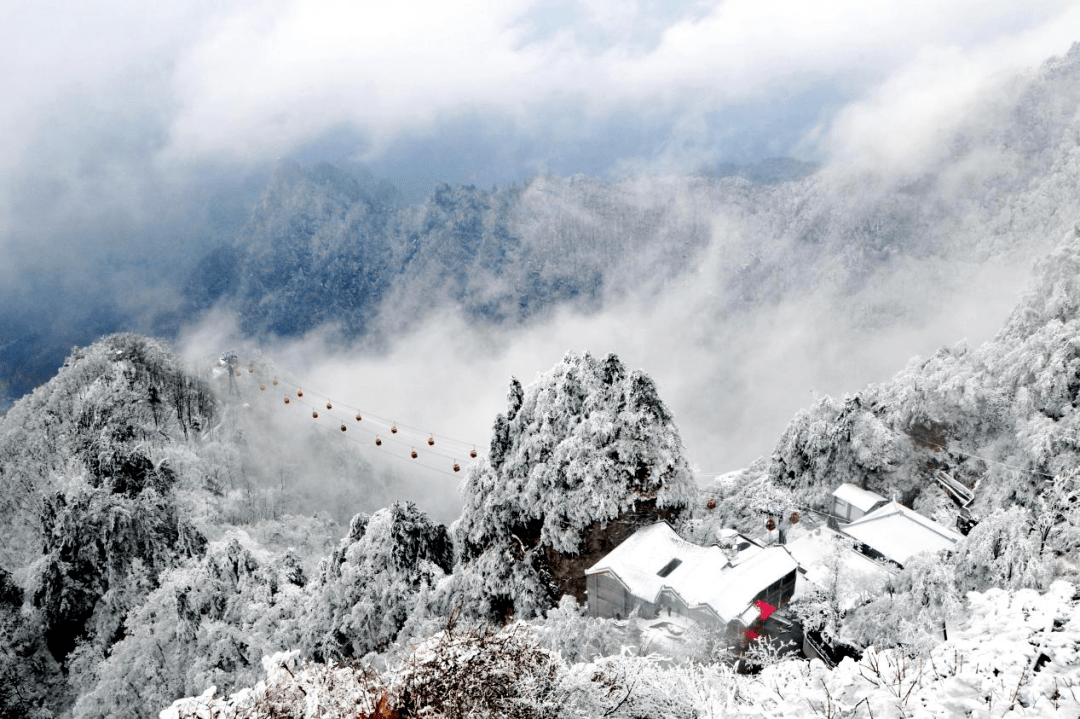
(412, 462)
(453, 459)
(414, 434)
(400, 434)
(417, 432)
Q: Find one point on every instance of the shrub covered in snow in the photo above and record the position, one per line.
(367, 588)
(1012, 654)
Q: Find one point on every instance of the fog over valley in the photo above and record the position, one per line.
(324, 327)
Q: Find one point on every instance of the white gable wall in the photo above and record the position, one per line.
(851, 502)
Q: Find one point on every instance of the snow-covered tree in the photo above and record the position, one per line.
(1012, 653)
(740, 500)
(103, 553)
(914, 609)
(1002, 551)
(30, 672)
(576, 637)
(103, 419)
(367, 588)
(823, 610)
(831, 443)
(583, 457)
(1057, 516)
(209, 622)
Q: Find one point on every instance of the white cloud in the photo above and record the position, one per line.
(904, 124)
(732, 379)
(254, 79)
(271, 76)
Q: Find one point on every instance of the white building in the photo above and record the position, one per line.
(828, 562)
(655, 570)
(851, 502)
(898, 533)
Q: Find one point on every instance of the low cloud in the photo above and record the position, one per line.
(264, 78)
(904, 125)
(125, 132)
(732, 379)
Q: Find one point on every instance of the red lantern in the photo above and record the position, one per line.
(711, 504)
(262, 388)
(358, 417)
(343, 428)
(457, 467)
(770, 524)
(414, 454)
(393, 429)
(378, 441)
(299, 393)
(473, 453)
(286, 400)
(314, 415)
(794, 517)
(431, 441)
(328, 405)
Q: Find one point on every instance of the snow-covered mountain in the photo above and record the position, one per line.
(164, 528)
(129, 605)
(333, 245)
(1000, 418)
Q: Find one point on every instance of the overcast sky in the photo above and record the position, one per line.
(128, 130)
(484, 90)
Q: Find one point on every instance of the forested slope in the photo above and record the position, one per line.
(121, 480)
(1000, 418)
(325, 244)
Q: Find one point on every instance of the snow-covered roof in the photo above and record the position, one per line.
(862, 499)
(703, 577)
(822, 551)
(900, 533)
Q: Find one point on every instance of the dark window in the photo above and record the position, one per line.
(669, 567)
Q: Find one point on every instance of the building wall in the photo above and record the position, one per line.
(845, 511)
(610, 600)
(607, 597)
(704, 618)
(779, 592)
(673, 602)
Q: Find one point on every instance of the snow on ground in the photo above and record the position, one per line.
(829, 560)
(1015, 654)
